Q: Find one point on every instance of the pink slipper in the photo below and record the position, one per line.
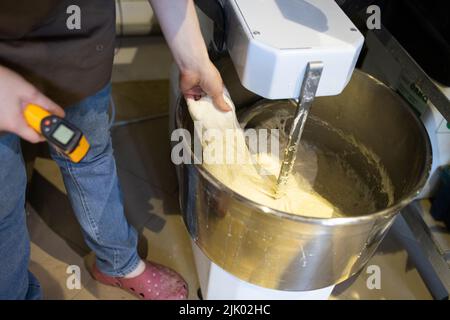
(155, 283)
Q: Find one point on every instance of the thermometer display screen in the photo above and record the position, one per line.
(63, 134)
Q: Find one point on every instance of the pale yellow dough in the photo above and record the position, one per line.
(245, 179)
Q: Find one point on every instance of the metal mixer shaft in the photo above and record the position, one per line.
(307, 94)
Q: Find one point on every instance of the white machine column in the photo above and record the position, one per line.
(217, 284)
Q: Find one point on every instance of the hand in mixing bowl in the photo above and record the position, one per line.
(205, 80)
(198, 76)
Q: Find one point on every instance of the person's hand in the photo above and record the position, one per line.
(15, 94)
(205, 79)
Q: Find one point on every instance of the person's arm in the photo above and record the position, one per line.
(15, 93)
(179, 24)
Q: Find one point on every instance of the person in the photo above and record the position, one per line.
(64, 65)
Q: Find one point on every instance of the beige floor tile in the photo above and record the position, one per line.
(399, 278)
(97, 291)
(138, 99)
(143, 149)
(50, 258)
(50, 171)
(94, 290)
(145, 205)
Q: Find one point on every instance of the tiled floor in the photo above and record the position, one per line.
(399, 277)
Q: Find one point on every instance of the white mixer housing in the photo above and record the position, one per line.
(272, 41)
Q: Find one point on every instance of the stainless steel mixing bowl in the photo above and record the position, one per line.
(282, 251)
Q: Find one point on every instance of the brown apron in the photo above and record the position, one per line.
(67, 65)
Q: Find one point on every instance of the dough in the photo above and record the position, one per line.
(245, 178)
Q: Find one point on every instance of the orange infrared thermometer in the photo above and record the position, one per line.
(58, 132)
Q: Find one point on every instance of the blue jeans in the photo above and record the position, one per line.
(94, 192)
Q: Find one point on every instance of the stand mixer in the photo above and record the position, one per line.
(284, 50)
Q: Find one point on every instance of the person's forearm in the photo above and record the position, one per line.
(198, 76)
(179, 24)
